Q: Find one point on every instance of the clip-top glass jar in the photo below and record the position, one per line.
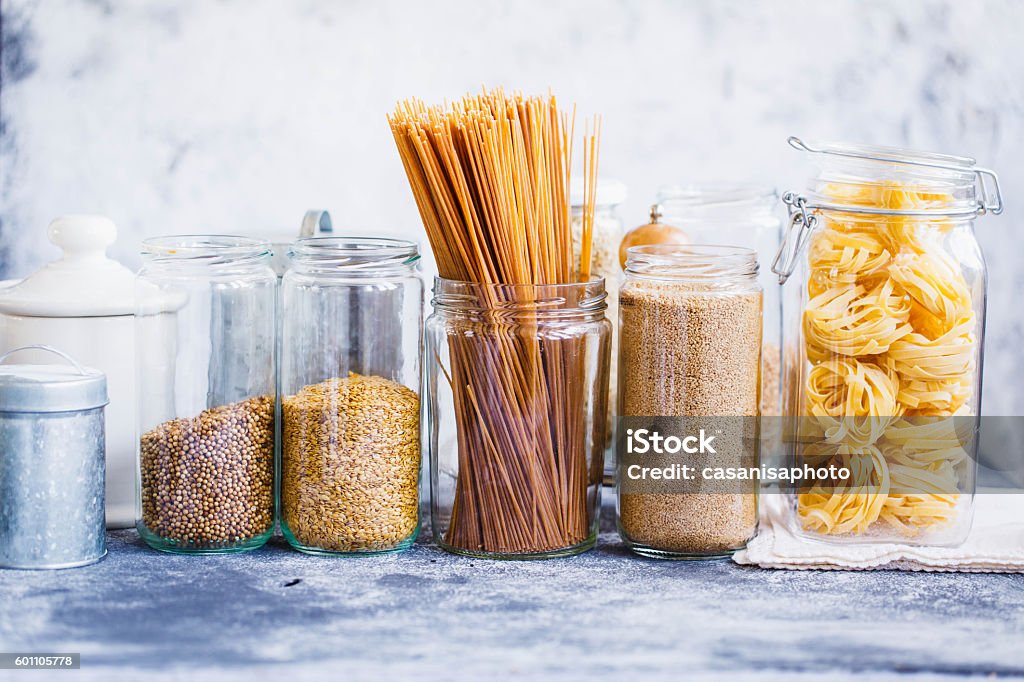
(884, 342)
(350, 449)
(206, 368)
(689, 367)
(516, 379)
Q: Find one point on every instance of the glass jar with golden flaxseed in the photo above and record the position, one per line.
(350, 395)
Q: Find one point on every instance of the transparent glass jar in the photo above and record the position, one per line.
(690, 321)
(608, 231)
(350, 405)
(517, 384)
(205, 335)
(747, 215)
(885, 328)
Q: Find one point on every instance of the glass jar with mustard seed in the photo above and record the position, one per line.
(205, 337)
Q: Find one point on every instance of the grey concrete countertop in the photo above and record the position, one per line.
(424, 614)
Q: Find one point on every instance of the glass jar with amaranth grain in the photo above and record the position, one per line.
(350, 401)
(205, 335)
(690, 320)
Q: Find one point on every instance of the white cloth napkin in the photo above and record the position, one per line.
(994, 545)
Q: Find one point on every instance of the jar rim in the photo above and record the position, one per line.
(586, 296)
(683, 254)
(354, 251)
(691, 261)
(205, 247)
(721, 205)
(876, 168)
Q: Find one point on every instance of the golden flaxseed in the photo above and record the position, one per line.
(351, 464)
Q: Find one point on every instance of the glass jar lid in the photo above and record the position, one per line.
(856, 178)
(355, 255)
(50, 388)
(883, 181)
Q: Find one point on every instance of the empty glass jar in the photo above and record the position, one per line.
(885, 329)
(747, 215)
(205, 335)
(517, 384)
(350, 450)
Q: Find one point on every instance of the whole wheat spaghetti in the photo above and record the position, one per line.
(490, 174)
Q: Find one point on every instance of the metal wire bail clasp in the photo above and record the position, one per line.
(990, 196)
(801, 224)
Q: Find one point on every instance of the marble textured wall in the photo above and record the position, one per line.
(236, 116)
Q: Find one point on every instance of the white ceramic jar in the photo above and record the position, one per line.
(84, 305)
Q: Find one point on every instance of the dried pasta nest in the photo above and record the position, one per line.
(854, 320)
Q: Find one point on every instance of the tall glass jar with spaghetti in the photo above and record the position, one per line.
(350, 405)
(883, 352)
(517, 349)
(517, 379)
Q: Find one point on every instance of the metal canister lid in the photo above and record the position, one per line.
(50, 388)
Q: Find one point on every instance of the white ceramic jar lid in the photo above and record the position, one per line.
(82, 283)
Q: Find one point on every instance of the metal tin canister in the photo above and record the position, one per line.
(51, 464)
